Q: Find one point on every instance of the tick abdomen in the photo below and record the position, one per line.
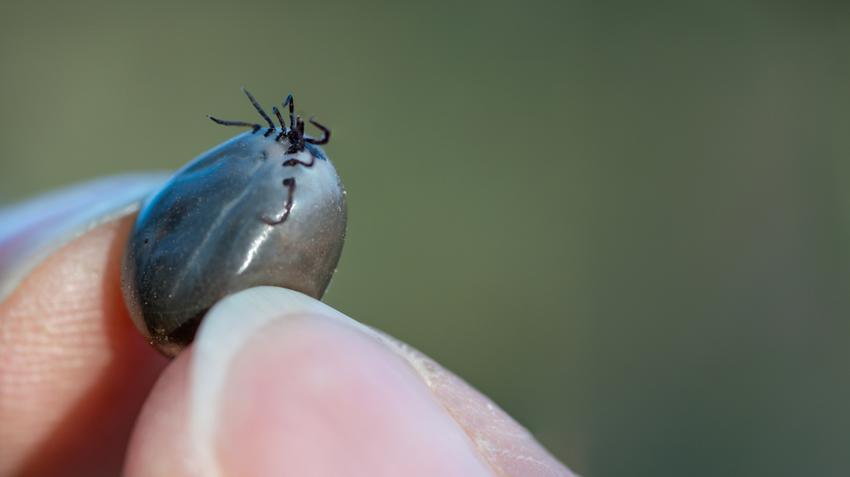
(249, 212)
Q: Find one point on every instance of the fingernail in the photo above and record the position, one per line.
(32, 230)
(282, 384)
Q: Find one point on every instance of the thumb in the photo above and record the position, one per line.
(277, 383)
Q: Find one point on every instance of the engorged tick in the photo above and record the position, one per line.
(264, 208)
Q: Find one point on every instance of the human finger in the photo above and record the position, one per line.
(73, 370)
(277, 383)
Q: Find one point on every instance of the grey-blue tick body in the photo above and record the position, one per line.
(264, 208)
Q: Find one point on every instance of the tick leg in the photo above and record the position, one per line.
(224, 122)
(326, 134)
(259, 108)
(295, 162)
(291, 103)
(279, 118)
(289, 183)
(282, 124)
(300, 123)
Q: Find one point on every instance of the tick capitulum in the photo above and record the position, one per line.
(264, 208)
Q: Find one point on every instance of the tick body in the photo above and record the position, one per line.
(264, 208)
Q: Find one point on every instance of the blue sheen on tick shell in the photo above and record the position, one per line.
(264, 208)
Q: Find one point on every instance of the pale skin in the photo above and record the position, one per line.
(308, 392)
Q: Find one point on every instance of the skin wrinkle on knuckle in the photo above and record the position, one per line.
(499, 439)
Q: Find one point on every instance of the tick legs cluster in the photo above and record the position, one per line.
(294, 134)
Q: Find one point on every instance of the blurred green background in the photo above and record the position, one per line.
(626, 223)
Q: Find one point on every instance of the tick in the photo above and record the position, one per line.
(264, 208)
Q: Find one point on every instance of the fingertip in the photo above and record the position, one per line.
(301, 392)
(311, 396)
(277, 383)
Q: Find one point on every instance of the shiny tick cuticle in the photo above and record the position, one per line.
(264, 208)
